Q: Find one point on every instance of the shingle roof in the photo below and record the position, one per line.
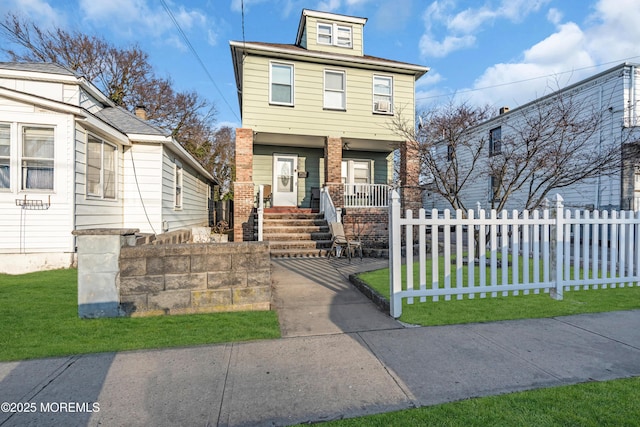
(38, 67)
(127, 122)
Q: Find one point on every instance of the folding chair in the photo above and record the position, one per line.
(341, 239)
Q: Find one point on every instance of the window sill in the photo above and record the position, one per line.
(382, 113)
(334, 109)
(275, 104)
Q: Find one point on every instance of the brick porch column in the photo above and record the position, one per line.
(333, 167)
(243, 187)
(410, 176)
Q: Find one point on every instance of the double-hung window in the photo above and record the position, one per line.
(494, 189)
(37, 160)
(383, 94)
(495, 141)
(335, 90)
(335, 35)
(281, 84)
(357, 174)
(5, 156)
(101, 168)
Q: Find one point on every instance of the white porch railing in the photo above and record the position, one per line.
(521, 253)
(331, 213)
(366, 195)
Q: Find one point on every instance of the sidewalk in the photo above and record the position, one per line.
(339, 357)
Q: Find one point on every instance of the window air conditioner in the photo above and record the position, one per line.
(382, 106)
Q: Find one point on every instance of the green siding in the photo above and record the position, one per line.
(307, 116)
(382, 165)
(309, 160)
(311, 33)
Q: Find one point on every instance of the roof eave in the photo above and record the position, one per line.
(417, 70)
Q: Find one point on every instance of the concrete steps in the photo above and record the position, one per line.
(296, 233)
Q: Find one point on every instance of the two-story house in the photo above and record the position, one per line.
(318, 114)
(605, 113)
(70, 160)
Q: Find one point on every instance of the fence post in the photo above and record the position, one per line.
(557, 250)
(260, 212)
(395, 255)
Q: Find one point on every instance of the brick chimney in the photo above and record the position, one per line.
(141, 112)
(504, 110)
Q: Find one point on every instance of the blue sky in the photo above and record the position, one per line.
(500, 52)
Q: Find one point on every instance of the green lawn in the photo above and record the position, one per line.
(39, 318)
(501, 308)
(610, 403)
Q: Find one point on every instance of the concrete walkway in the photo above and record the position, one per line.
(339, 357)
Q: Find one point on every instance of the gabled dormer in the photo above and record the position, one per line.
(329, 32)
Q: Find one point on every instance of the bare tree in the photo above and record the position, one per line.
(552, 144)
(451, 159)
(127, 78)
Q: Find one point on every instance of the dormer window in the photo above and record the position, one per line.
(335, 35)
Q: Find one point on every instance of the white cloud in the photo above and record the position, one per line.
(442, 48)
(136, 19)
(554, 16)
(39, 11)
(571, 53)
(455, 28)
(614, 33)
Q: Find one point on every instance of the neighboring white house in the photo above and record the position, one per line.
(70, 159)
(613, 94)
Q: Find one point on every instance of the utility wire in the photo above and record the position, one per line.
(478, 89)
(195, 53)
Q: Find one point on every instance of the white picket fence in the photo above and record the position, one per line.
(522, 252)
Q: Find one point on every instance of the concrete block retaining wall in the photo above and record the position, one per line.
(119, 276)
(194, 278)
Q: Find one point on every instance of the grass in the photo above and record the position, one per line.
(510, 307)
(39, 318)
(610, 403)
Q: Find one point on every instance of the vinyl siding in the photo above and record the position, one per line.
(307, 116)
(142, 197)
(32, 231)
(309, 160)
(94, 212)
(312, 161)
(312, 37)
(195, 195)
(607, 93)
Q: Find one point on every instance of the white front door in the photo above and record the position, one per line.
(285, 180)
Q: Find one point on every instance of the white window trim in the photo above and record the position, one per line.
(492, 142)
(101, 194)
(21, 158)
(8, 158)
(178, 184)
(350, 167)
(333, 35)
(343, 107)
(376, 108)
(293, 73)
